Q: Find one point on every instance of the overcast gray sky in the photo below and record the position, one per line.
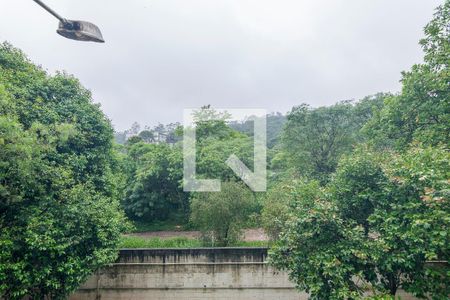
(162, 56)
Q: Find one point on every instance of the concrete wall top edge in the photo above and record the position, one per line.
(199, 248)
(214, 255)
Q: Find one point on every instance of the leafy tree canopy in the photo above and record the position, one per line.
(315, 138)
(421, 112)
(222, 215)
(378, 222)
(59, 211)
(154, 189)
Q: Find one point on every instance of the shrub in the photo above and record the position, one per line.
(221, 215)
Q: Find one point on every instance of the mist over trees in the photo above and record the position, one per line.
(357, 200)
(158, 134)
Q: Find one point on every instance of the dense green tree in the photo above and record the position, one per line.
(317, 247)
(160, 133)
(172, 133)
(412, 222)
(365, 109)
(421, 111)
(154, 185)
(358, 184)
(215, 142)
(377, 223)
(212, 156)
(59, 214)
(275, 124)
(147, 136)
(154, 189)
(277, 206)
(221, 215)
(134, 140)
(211, 124)
(383, 214)
(313, 138)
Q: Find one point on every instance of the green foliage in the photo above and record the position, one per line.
(215, 142)
(177, 222)
(140, 242)
(276, 208)
(376, 223)
(315, 138)
(134, 140)
(132, 242)
(275, 124)
(413, 221)
(436, 43)
(210, 124)
(221, 215)
(147, 136)
(59, 214)
(318, 248)
(358, 184)
(421, 111)
(212, 155)
(154, 182)
(251, 244)
(383, 214)
(359, 220)
(384, 297)
(154, 171)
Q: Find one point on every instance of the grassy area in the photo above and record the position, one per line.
(169, 225)
(176, 242)
(252, 244)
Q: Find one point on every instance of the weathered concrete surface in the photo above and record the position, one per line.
(194, 274)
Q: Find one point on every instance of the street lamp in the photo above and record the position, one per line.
(75, 30)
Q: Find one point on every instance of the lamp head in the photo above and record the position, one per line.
(80, 31)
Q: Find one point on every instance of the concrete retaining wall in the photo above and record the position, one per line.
(194, 274)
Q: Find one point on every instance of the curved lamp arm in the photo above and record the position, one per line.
(75, 30)
(55, 14)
